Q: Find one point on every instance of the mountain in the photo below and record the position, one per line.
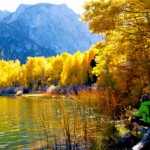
(4, 14)
(43, 30)
(15, 45)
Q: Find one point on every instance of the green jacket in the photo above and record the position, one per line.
(144, 111)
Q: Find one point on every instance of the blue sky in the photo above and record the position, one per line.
(11, 5)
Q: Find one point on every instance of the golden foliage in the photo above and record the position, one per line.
(65, 69)
(124, 56)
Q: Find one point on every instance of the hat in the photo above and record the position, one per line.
(144, 98)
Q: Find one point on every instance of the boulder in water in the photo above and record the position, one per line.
(19, 93)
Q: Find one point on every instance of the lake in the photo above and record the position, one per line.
(50, 123)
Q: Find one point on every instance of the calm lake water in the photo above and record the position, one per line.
(32, 123)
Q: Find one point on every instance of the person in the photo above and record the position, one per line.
(142, 118)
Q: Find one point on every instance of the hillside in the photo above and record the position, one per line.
(43, 30)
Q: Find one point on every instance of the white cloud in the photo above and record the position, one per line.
(11, 5)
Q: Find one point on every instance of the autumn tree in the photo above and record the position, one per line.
(48, 70)
(56, 69)
(10, 73)
(67, 71)
(35, 71)
(126, 26)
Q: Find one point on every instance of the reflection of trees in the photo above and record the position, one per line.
(54, 123)
(66, 124)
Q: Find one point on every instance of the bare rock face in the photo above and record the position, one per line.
(4, 14)
(43, 30)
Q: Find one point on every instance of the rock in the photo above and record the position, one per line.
(51, 88)
(19, 93)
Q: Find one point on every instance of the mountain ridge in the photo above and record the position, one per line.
(51, 28)
(4, 14)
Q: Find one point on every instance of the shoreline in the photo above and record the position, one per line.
(44, 95)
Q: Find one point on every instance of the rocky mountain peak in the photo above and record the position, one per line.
(46, 29)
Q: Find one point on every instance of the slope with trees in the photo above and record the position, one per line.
(123, 60)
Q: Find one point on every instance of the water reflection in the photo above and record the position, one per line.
(50, 123)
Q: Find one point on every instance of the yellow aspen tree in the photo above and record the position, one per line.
(126, 26)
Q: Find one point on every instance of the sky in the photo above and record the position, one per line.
(11, 5)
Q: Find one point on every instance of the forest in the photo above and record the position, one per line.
(121, 61)
(119, 65)
(64, 69)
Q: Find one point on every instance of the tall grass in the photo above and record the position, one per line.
(103, 105)
(81, 121)
(103, 102)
